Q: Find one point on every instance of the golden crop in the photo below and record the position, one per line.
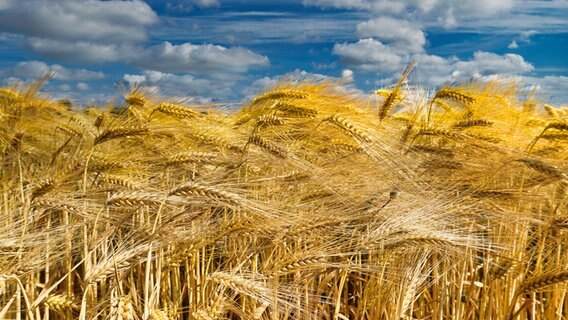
(307, 203)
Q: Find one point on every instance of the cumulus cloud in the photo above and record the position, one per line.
(165, 57)
(184, 85)
(347, 74)
(64, 87)
(84, 20)
(464, 7)
(435, 70)
(93, 31)
(207, 3)
(525, 36)
(189, 57)
(189, 5)
(368, 55)
(484, 63)
(385, 6)
(82, 86)
(80, 51)
(437, 13)
(134, 78)
(400, 33)
(513, 45)
(36, 69)
(259, 85)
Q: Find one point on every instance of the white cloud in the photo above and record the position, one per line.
(83, 20)
(64, 87)
(400, 33)
(259, 86)
(80, 51)
(93, 31)
(164, 57)
(79, 98)
(184, 85)
(248, 28)
(484, 63)
(347, 74)
(435, 70)
(448, 19)
(384, 6)
(37, 69)
(82, 86)
(207, 3)
(188, 57)
(433, 7)
(184, 6)
(525, 36)
(134, 78)
(368, 55)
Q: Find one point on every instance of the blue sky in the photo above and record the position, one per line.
(227, 50)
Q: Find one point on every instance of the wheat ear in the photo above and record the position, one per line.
(543, 281)
(281, 94)
(61, 303)
(119, 133)
(387, 105)
(267, 146)
(349, 127)
(212, 193)
(543, 167)
(178, 111)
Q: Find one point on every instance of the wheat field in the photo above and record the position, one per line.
(308, 202)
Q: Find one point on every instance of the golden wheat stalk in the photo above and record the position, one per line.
(387, 105)
(281, 94)
(136, 101)
(43, 187)
(121, 308)
(212, 193)
(543, 167)
(295, 110)
(178, 111)
(555, 136)
(119, 133)
(269, 120)
(267, 146)
(72, 132)
(558, 125)
(298, 265)
(472, 123)
(254, 289)
(440, 133)
(61, 303)
(454, 94)
(444, 152)
(122, 181)
(551, 111)
(192, 157)
(215, 308)
(543, 281)
(9, 94)
(133, 199)
(349, 127)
